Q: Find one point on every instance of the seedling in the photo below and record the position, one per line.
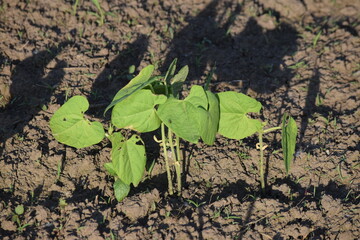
(316, 38)
(235, 124)
(62, 203)
(100, 13)
(195, 204)
(74, 7)
(19, 210)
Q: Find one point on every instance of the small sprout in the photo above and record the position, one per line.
(316, 39)
(19, 210)
(62, 203)
(131, 69)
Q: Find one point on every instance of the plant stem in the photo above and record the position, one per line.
(261, 162)
(170, 186)
(177, 141)
(166, 89)
(271, 129)
(177, 159)
(152, 88)
(178, 163)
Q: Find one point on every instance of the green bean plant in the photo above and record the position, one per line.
(235, 124)
(148, 103)
(145, 104)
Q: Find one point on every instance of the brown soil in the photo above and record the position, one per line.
(272, 50)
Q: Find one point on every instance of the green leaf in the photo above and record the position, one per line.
(128, 158)
(140, 81)
(121, 190)
(70, 127)
(110, 168)
(197, 97)
(195, 116)
(181, 117)
(19, 210)
(210, 124)
(178, 80)
(137, 112)
(170, 72)
(117, 140)
(288, 139)
(96, 3)
(234, 108)
(131, 69)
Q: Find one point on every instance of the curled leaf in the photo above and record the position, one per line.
(288, 139)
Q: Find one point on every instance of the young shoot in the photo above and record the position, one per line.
(235, 124)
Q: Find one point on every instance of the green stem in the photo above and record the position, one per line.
(170, 186)
(170, 138)
(261, 162)
(178, 177)
(177, 142)
(176, 157)
(166, 89)
(271, 129)
(152, 89)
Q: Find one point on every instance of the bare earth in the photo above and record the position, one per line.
(291, 55)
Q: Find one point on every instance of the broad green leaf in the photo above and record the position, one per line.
(178, 80)
(170, 72)
(207, 115)
(128, 158)
(140, 81)
(234, 108)
(121, 190)
(70, 127)
(197, 97)
(288, 139)
(137, 112)
(209, 126)
(181, 117)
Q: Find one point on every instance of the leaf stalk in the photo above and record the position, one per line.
(164, 140)
(271, 129)
(261, 161)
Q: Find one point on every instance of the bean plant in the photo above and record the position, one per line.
(148, 103)
(145, 104)
(235, 124)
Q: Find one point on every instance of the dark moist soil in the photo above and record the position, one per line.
(300, 56)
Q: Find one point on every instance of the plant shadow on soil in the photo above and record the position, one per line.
(30, 89)
(116, 74)
(255, 56)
